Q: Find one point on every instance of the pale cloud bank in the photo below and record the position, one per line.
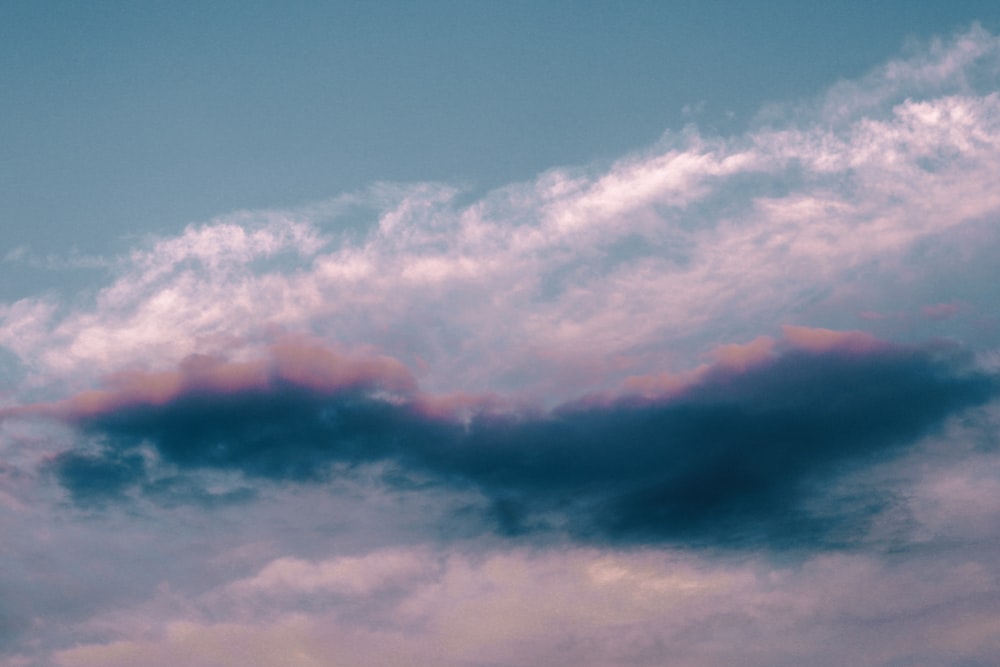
(579, 607)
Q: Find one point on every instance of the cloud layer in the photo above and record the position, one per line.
(726, 399)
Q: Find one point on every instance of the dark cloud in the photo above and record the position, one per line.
(94, 479)
(732, 460)
(282, 432)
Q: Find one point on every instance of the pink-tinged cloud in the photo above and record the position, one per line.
(310, 363)
(298, 361)
(827, 340)
(739, 357)
(304, 362)
(731, 358)
(940, 311)
(873, 315)
(734, 359)
(461, 405)
(664, 385)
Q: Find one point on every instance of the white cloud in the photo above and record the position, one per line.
(651, 260)
(348, 576)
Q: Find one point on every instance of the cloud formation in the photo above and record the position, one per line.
(728, 459)
(608, 414)
(582, 276)
(578, 607)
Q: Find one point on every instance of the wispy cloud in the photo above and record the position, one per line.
(582, 276)
(53, 262)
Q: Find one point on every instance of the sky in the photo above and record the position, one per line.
(499, 334)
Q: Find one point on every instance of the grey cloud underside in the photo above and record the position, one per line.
(732, 461)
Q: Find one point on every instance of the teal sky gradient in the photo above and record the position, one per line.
(122, 118)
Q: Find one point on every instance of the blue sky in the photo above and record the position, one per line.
(125, 118)
(499, 335)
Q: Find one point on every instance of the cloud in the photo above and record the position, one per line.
(265, 418)
(348, 576)
(52, 262)
(585, 607)
(292, 360)
(581, 277)
(731, 458)
(940, 311)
